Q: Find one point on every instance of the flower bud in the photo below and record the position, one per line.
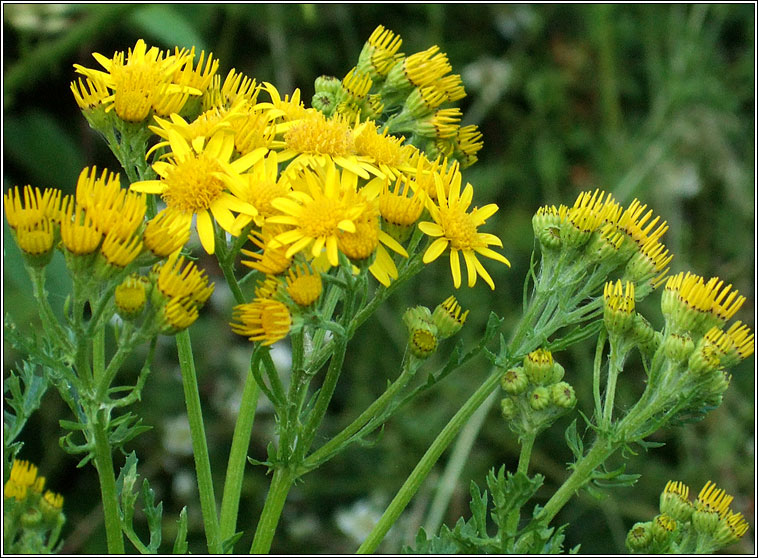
(538, 366)
(130, 296)
(663, 527)
(562, 395)
(539, 398)
(678, 347)
(31, 518)
(639, 537)
(508, 408)
(448, 319)
(422, 333)
(514, 381)
(675, 501)
(546, 224)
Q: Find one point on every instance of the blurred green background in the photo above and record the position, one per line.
(648, 101)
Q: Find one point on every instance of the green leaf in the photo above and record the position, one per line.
(180, 544)
(227, 547)
(574, 441)
(479, 509)
(154, 515)
(166, 24)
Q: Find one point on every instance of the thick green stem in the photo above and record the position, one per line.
(527, 443)
(199, 442)
(272, 510)
(235, 469)
(104, 466)
(413, 482)
(614, 368)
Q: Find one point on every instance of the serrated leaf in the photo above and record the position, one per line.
(479, 509)
(180, 543)
(154, 515)
(574, 441)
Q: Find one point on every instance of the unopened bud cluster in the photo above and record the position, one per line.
(410, 95)
(427, 328)
(685, 527)
(536, 394)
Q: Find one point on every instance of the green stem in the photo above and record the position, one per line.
(104, 466)
(601, 450)
(272, 510)
(527, 443)
(50, 323)
(199, 442)
(372, 411)
(237, 456)
(458, 459)
(98, 354)
(596, 373)
(422, 469)
(614, 368)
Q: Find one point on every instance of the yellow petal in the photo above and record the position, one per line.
(455, 268)
(484, 274)
(431, 229)
(148, 186)
(205, 231)
(435, 249)
(331, 250)
(470, 260)
(489, 253)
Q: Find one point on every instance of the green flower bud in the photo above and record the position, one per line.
(324, 102)
(663, 527)
(675, 503)
(639, 537)
(539, 398)
(538, 366)
(514, 381)
(705, 521)
(644, 335)
(327, 84)
(31, 518)
(422, 343)
(562, 395)
(678, 347)
(448, 319)
(558, 372)
(546, 224)
(508, 408)
(422, 333)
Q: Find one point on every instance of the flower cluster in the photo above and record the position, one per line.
(104, 236)
(32, 519)
(313, 189)
(598, 230)
(536, 394)
(684, 527)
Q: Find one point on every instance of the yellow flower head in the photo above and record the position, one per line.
(35, 207)
(78, 231)
(264, 320)
(272, 259)
(304, 285)
(379, 53)
(23, 476)
(113, 209)
(190, 183)
(456, 228)
(90, 93)
(387, 153)
(176, 280)
(331, 205)
(166, 233)
(141, 83)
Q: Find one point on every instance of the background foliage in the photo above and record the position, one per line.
(648, 101)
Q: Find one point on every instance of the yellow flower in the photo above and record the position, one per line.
(190, 183)
(455, 228)
(36, 206)
(78, 231)
(112, 209)
(379, 53)
(304, 285)
(331, 205)
(166, 233)
(140, 84)
(90, 93)
(23, 476)
(259, 187)
(387, 153)
(176, 280)
(263, 320)
(273, 259)
(315, 141)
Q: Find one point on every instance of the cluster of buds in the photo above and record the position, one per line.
(684, 527)
(536, 393)
(427, 328)
(32, 519)
(411, 95)
(626, 327)
(597, 230)
(103, 235)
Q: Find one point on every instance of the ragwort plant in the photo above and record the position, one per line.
(328, 209)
